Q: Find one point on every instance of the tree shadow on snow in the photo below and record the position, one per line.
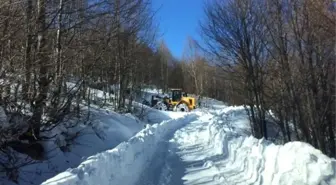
(187, 172)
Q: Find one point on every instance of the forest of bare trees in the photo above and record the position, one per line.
(276, 55)
(280, 56)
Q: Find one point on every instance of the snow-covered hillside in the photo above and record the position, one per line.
(211, 146)
(102, 131)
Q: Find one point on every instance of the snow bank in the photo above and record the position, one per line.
(247, 160)
(123, 164)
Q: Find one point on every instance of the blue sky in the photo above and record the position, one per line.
(178, 19)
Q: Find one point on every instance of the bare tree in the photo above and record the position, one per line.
(283, 51)
(234, 35)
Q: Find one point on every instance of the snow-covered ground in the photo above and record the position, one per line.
(207, 146)
(210, 145)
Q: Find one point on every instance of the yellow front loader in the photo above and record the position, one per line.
(176, 101)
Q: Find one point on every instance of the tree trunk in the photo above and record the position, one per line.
(29, 42)
(59, 68)
(42, 61)
(58, 62)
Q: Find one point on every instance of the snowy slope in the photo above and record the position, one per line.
(104, 130)
(208, 147)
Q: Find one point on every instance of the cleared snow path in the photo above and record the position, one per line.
(216, 150)
(123, 164)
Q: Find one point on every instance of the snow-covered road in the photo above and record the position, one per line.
(203, 148)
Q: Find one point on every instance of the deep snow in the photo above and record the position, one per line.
(203, 147)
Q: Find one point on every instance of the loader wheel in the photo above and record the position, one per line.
(161, 106)
(182, 107)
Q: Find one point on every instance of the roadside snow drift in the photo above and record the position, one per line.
(123, 164)
(218, 149)
(248, 160)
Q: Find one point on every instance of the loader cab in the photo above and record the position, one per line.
(176, 95)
